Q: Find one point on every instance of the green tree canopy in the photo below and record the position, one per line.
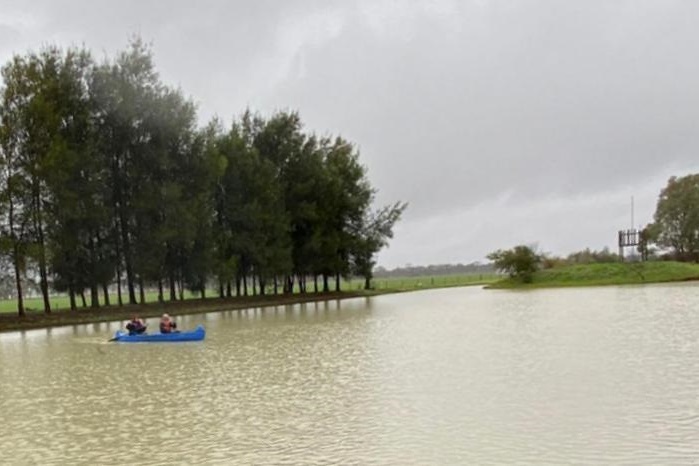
(676, 220)
(519, 262)
(372, 233)
(106, 180)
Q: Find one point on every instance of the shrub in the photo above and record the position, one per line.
(519, 262)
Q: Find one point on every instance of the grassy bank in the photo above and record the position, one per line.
(384, 284)
(61, 315)
(394, 284)
(37, 319)
(626, 273)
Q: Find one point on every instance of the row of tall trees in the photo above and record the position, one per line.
(106, 179)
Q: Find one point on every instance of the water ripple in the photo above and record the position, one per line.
(459, 376)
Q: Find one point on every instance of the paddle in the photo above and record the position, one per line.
(113, 339)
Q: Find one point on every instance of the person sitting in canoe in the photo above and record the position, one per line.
(167, 325)
(136, 326)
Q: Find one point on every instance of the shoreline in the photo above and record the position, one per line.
(605, 274)
(506, 285)
(57, 318)
(10, 322)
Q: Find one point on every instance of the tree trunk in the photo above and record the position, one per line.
(94, 296)
(337, 282)
(15, 248)
(245, 286)
(160, 290)
(142, 292)
(105, 292)
(117, 261)
(118, 271)
(276, 289)
(228, 289)
(100, 257)
(71, 295)
(173, 292)
(326, 288)
(237, 285)
(367, 282)
(315, 283)
(120, 212)
(82, 297)
(18, 279)
(94, 286)
(130, 280)
(221, 291)
(38, 222)
(127, 257)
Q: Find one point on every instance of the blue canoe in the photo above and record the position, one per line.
(194, 335)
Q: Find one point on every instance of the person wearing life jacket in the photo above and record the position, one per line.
(167, 325)
(136, 326)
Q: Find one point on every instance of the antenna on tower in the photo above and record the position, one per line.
(633, 237)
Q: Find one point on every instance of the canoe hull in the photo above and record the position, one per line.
(195, 335)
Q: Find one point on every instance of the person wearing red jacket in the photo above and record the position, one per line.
(167, 325)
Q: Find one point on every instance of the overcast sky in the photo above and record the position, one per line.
(500, 122)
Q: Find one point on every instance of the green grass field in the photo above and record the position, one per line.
(608, 274)
(416, 283)
(574, 275)
(380, 284)
(62, 302)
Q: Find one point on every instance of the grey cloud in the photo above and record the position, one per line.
(548, 101)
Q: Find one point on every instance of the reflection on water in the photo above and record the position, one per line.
(458, 376)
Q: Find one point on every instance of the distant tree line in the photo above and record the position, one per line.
(105, 178)
(584, 256)
(434, 270)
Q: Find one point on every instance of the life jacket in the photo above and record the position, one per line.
(166, 326)
(135, 326)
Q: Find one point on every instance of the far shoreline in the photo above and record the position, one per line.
(63, 317)
(36, 319)
(604, 274)
(576, 276)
